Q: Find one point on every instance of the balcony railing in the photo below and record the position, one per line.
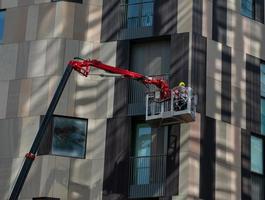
(147, 176)
(136, 19)
(137, 95)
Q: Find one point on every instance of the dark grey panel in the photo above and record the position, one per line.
(46, 142)
(110, 20)
(208, 158)
(253, 94)
(198, 70)
(120, 107)
(245, 166)
(179, 67)
(259, 10)
(13, 98)
(219, 21)
(165, 17)
(226, 85)
(197, 16)
(172, 178)
(116, 165)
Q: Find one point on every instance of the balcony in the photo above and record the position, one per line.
(136, 19)
(147, 176)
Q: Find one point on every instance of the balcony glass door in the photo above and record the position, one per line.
(142, 153)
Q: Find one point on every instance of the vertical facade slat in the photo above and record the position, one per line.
(259, 10)
(226, 85)
(253, 94)
(219, 21)
(208, 158)
(245, 166)
(198, 70)
(165, 17)
(116, 165)
(172, 167)
(179, 68)
(197, 16)
(121, 90)
(110, 20)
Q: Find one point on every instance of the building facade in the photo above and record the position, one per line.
(217, 47)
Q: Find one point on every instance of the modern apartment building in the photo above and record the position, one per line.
(217, 47)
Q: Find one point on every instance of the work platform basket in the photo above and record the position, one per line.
(175, 110)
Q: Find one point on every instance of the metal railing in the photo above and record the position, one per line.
(137, 95)
(135, 15)
(147, 176)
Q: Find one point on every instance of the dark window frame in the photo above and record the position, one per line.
(254, 12)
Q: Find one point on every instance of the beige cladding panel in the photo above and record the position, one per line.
(239, 31)
(46, 21)
(214, 60)
(55, 57)
(15, 25)
(9, 169)
(245, 35)
(207, 19)
(189, 168)
(32, 22)
(37, 58)
(213, 98)
(184, 17)
(24, 98)
(87, 25)
(8, 61)
(64, 19)
(39, 96)
(3, 98)
(86, 179)
(228, 161)
(238, 89)
(9, 3)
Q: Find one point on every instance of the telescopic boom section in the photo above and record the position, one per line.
(83, 67)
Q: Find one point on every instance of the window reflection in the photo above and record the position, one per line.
(139, 13)
(247, 8)
(256, 155)
(2, 24)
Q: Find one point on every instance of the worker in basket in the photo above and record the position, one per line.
(181, 96)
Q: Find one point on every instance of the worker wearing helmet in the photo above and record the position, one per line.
(182, 84)
(181, 95)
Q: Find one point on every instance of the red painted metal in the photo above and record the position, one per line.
(83, 67)
(30, 156)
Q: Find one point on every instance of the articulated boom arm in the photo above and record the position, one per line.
(83, 67)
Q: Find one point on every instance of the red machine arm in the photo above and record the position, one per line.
(83, 67)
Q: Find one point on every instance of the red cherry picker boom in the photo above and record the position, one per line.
(161, 107)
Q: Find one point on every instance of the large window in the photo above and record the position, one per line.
(262, 93)
(65, 136)
(139, 13)
(2, 24)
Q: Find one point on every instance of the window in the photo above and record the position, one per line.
(139, 13)
(65, 136)
(256, 155)
(148, 162)
(253, 9)
(2, 24)
(247, 8)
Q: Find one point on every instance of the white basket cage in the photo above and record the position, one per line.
(176, 110)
